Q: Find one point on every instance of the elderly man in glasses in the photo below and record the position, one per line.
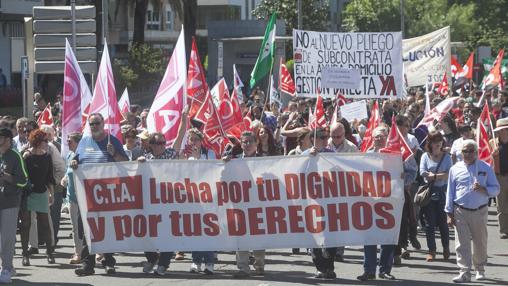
(470, 185)
(100, 147)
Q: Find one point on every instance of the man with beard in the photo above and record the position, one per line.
(100, 147)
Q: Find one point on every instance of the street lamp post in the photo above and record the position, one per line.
(402, 17)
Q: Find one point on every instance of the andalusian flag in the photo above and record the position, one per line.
(266, 53)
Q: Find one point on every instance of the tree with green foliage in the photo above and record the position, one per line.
(315, 16)
(144, 67)
(475, 22)
(420, 17)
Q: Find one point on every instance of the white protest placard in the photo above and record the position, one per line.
(335, 77)
(378, 57)
(427, 58)
(326, 200)
(354, 110)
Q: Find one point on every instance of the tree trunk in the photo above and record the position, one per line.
(190, 8)
(139, 21)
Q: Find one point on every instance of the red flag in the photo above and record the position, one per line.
(104, 97)
(166, 111)
(216, 141)
(396, 143)
(229, 111)
(495, 76)
(467, 70)
(46, 118)
(485, 115)
(318, 118)
(443, 88)
(374, 121)
(196, 82)
(286, 83)
(456, 67)
(484, 149)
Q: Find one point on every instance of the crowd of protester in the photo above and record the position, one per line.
(35, 180)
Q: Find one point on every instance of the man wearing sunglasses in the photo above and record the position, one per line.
(470, 185)
(100, 147)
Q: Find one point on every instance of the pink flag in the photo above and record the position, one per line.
(76, 98)
(438, 112)
(104, 97)
(124, 102)
(166, 111)
(237, 85)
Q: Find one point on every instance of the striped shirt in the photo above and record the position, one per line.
(91, 151)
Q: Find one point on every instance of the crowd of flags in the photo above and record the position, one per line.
(219, 111)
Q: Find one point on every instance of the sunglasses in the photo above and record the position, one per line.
(95, 123)
(323, 137)
(468, 151)
(159, 143)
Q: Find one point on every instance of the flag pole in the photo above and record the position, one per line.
(107, 99)
(268, 91)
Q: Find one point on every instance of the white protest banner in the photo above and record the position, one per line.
(427, 57)
(378, 56)
(335, 77)
(354, 110)
(254, 203)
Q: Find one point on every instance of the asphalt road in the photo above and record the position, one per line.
(282, 268)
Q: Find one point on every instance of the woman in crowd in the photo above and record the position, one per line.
(380, 135)
(434, 167)
(40, 172)
(303, 140)
(131, 146)
(194, 150)
(266, 143)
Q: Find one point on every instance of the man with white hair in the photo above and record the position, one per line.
(471, 183)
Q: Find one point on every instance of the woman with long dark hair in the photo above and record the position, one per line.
(266, 143)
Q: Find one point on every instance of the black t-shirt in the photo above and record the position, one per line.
(40, 171)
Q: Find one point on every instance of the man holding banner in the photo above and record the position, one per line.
(100, 147)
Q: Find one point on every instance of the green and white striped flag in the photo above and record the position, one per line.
(266, 53)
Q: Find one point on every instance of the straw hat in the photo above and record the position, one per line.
(144, 135)
(501, 124)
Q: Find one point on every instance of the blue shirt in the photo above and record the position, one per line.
(428, 165)
(91, 151)
(460, 185)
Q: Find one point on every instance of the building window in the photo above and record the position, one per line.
(169, 20)
(152, 20)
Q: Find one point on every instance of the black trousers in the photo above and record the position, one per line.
(87, 259)
(324, 258)
(408, 225)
